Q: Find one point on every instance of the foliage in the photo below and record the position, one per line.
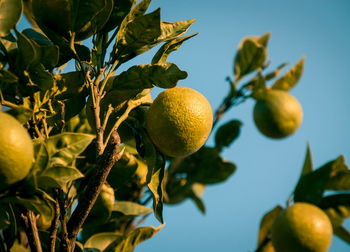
(88, 126)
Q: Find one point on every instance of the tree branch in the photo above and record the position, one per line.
(93, 188)
(32, 231)
(54, 227)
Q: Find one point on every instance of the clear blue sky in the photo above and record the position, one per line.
(267, 169)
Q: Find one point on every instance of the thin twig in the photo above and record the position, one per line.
(63, 219)
(93, 188)
(32, 231)
(54, 226)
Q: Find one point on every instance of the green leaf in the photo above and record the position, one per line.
(308, 166)
(173, 30)
(10, 13)
(275, 73)
(342, 233)
(41, 157)
(291, 78)
(139, 35)
(64, 148)
(93, 14)
(156, 187)
(5, 217)
(155, 175)
(28, 53)
(258, 86)
(227, 133)
(40, 204)
(7, 43)
(102, 241)
(171, 46)
(137, 236)
(206, 166)
(266, 224)
(251, 56)
(164, 75)
(131, 208)
(70, 83)
(311, 186)
(337, 207)
(121, 8)
(340, 177)
(196, 196)
(38, 76)
(61, 175)
(21, 112)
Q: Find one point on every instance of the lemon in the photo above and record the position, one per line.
(16, 151)
(302, 227)
(277, 114)
(179, 121)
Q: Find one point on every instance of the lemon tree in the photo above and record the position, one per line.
(17, 152)
(179, 121)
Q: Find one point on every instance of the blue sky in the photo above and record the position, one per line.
(267, 169)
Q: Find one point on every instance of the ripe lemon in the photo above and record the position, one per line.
(16, 151)
(277, 114)
(302, 227)
(179, 121)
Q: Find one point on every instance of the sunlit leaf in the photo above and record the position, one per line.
(171, 46)
(308, 166)
(65, 147)
(266, 224)
(131, 208)
(196, 196)
(62, 175)
(139, 35)
(173, 30)
(41, 157)
(291, 78)
(101, 241)
(10, 12)
(137, 236)
(251, 56)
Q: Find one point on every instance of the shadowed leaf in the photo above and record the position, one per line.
(227, 133)
(164, 75)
